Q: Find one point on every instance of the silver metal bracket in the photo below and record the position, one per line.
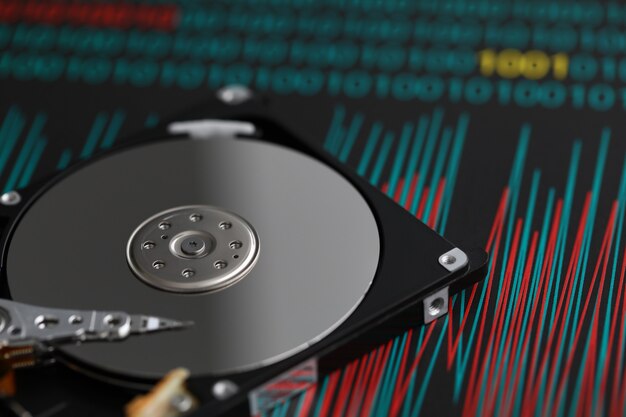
(453, 260)
(211, 128)
(436, 305)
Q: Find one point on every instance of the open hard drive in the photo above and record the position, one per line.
(271, 263)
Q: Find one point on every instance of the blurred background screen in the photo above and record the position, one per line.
(498, 123)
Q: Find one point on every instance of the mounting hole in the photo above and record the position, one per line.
(164, 237)
(448, 259)
(235, 256)
(435, 306)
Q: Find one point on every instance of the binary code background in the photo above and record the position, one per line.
(498, 123)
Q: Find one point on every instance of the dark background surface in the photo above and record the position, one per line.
(74, 84)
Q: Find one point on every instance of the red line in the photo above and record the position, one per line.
(496, 331)
(407, 345)
(398, 192)
(108, 14)
(307, 402)
(516, 324)
(396, 397)
(494, 228)
(375, 381)
(420, 209)
(344, 390)
(329, 394)
(450, 336)
(364, 370)
(603, 255)
(564, 295)
(620, 348)
(539, 299)
(404, 384)
(452, 350)
(622, 400)
(434, 213)
(409, 199)
(590, 376)
(467, 411)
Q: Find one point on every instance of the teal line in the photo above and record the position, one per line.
(9, 134)
(418, 141)
(94, 134)
(7, 124)
(399, 159)
(32, 163)
(370, 145)
(621, 197)
(335, 125)
(459, 349)
(564, 227)
(320, 398)
(579, 379)
(353, 133)
(113, 130)
(298, 409)
(429, 371)
(452, 171)
(460, 372)
(387, 393)
(514, 190)
(545, 232)
(284, 408)
(517, 283)
(426, 158)
(557, 262)
(151, 120)
(386, 379)
(446, 136)
(31, 139)
(64, 160)
(382, 158)
(409, 394)
(584, 250)
(515, 182)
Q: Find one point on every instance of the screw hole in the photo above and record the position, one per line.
(448, 259)
(435, 306)
(220, 264)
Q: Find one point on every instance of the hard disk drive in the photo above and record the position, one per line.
(269, 261)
